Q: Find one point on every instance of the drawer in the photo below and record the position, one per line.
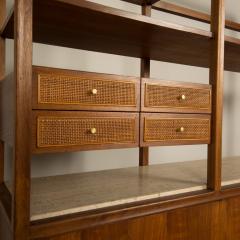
(68, 131)
(74, 90)
(163, 96)
(174, 129)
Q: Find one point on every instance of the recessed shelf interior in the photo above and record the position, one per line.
(68, 194)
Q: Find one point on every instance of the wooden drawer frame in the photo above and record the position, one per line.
(174, 84)
(81, 115)
(171, 116)
(37, 104)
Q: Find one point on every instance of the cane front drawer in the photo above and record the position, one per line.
(163, 96)
(74, 90)
(67, 131)
(174, 129)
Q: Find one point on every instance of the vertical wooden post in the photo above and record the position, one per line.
(22, 149)
(145, 72)
(2, 74)
(216, 79)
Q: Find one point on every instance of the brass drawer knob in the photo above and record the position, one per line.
(181, 129)
(182, 97)
(94, 91)
(93, 130)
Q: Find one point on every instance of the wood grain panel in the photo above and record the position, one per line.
(231, 218)
(195, 223)
(216, 79)
(150, 228)
(56, 23)
(69, 236)
(2, 74)
(23, 108)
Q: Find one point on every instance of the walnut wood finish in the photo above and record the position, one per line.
(5, 229)
(175, 217)
(165, 129)
(192, 14)
(5, 200)
(145, 72)
(217, 219)
(75, 223)
(57, 131)
(72, 90)
(1, 161)
(22, 147)
(58, 23)
(2, 41)
(7, 99)
(2, 74)
(216, 80)
(171, 96)
(191, 46)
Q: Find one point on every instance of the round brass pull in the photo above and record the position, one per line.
(182, 97)
(93, 130)
(181, 129)
(94, 91)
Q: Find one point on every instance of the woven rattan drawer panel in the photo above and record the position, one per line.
(174, 129)
(83, 130)
(162, 96)
(63, 89)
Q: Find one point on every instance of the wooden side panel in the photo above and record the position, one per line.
(2, 73)
(5, 230)
(231, 218)
(216, 79)
(150, 228)
(22, 148)
(70, 236)
(195, 223)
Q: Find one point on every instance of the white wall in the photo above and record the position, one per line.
(44, 55)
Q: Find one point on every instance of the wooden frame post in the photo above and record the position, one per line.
(2, 74)
(145, 72)
(216, 79)
(22, 149)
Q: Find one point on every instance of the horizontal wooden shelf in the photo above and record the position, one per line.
(68, 194)
(73, 24)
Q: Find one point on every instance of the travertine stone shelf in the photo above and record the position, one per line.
(67, 194)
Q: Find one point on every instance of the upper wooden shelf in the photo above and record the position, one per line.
(90, 26)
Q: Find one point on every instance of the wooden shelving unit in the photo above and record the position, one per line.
(75, 115)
